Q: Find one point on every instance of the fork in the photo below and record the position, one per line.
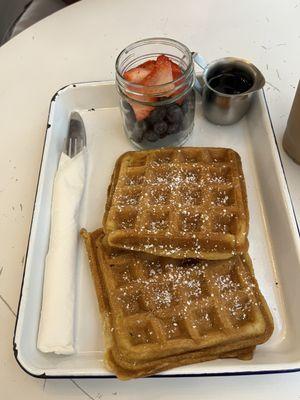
(76, 139)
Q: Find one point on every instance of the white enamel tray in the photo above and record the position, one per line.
(274, 236)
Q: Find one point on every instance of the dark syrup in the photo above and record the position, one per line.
(230, 83)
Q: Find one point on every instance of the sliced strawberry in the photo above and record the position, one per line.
(152, 73)
(141, 111)
(160, 75)
(163, 59)
(176, 71)
(150, 64)
(137, 74)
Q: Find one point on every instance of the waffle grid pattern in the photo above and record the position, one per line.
(184, 202)
(160, 313)
(175, 304)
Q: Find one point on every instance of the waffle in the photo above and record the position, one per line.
(179, 203)
(160, 313)
(126, 371)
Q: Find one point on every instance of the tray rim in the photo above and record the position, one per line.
(44, 375)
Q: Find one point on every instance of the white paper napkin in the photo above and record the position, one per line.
(56, 330)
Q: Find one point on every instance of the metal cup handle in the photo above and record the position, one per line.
(201, 62)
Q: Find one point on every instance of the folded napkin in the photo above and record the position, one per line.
(56, 330)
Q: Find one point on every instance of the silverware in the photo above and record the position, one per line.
(227, 86)
(76, 139)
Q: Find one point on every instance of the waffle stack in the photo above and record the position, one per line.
(174, 282)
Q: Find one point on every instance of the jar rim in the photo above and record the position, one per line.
(162, 40)
(164, 101)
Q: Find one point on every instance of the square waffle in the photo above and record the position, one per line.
(178, 202)
(161, 313)
(125, 370)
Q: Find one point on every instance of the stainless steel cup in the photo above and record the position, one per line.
(225, 103)
(291, 138)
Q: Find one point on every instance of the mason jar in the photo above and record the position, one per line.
(156, 115)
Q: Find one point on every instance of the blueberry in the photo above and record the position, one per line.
(126, 105)
(130, 115)
(128, 111)
(151, 136)
(137, 135)
(185, 106)
(138, 131)
(174, 113)
(173, 128)
(160, 128)
(142, 125)
(129, 124)
(158, 114)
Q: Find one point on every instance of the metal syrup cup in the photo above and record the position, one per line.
(222, 108)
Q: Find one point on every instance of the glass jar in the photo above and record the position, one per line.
(156, 115)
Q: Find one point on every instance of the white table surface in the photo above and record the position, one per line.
(80, 43)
